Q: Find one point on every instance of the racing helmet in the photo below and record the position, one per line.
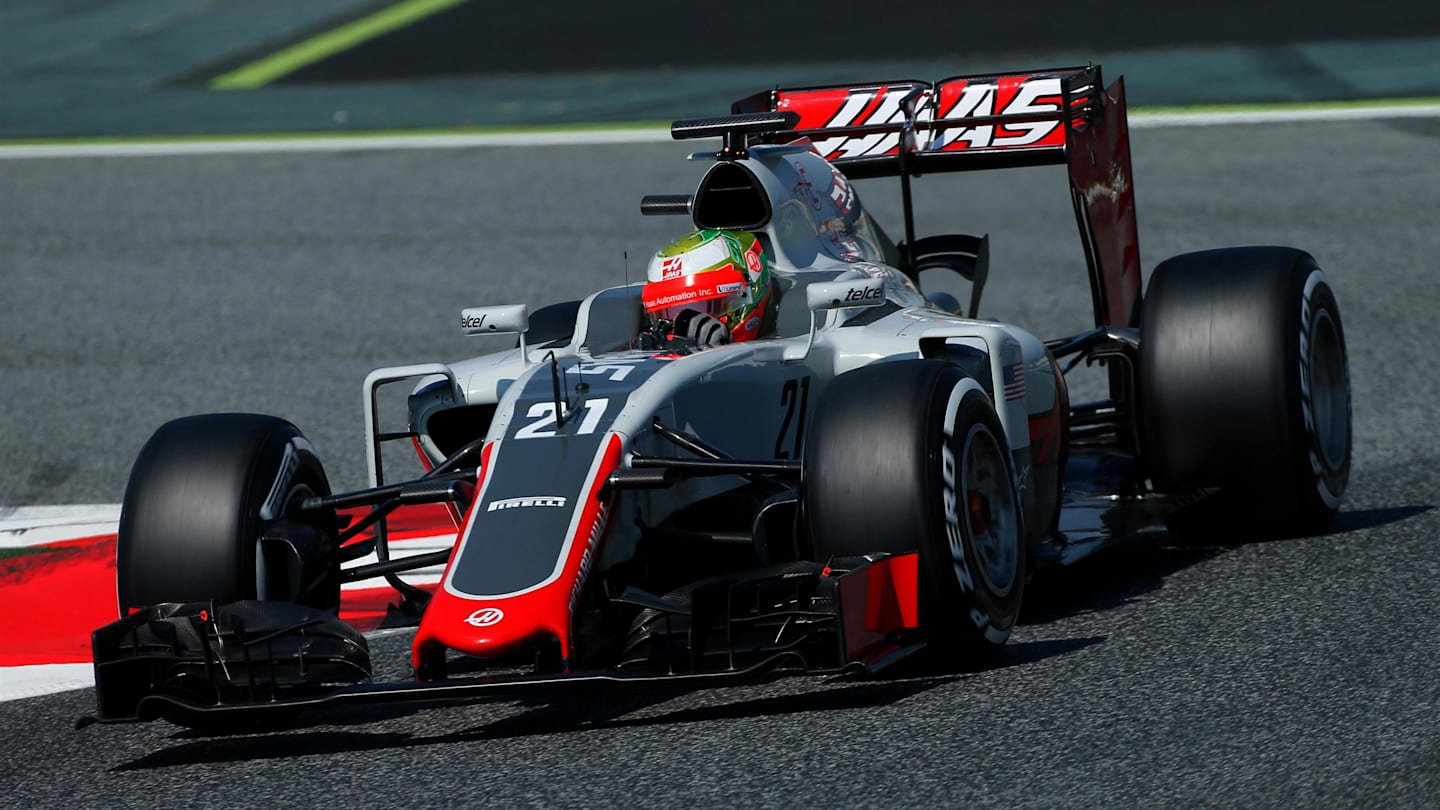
(722, 274)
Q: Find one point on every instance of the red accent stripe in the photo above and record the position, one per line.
(877, 600)
(864, 115)
(55, 596)
(692, 289)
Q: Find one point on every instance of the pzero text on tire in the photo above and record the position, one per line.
(209, 514)
(1244, 388)
(910, 456)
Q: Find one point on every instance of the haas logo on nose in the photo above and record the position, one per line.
(484, 617)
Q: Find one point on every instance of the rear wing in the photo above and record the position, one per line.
(989, 121)
(964, 122)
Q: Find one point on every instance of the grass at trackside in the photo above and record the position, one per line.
(303, 54)
(658, 126)
(11, 553)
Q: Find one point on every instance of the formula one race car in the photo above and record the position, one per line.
(776, 453)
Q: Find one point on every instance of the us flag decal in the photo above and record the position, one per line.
(1014, 380)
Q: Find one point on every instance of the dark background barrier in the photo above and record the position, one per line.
(478, 38)
(143, 67)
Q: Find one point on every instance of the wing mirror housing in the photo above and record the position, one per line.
(860, 292)
(823, 296)
(498, 320)
(495, 320)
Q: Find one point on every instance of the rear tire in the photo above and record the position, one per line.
(1244, 387)
(210, 514)
(910, 456)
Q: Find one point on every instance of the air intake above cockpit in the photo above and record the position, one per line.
(730, 197)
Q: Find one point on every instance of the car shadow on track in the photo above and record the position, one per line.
(607, 708)
(1108, 580)
(1127, 572)
(906, 681)
(1375, 518)
(599, 709)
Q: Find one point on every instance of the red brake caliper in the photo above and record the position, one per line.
(979, 512)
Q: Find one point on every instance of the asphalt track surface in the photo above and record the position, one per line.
(1299, 672)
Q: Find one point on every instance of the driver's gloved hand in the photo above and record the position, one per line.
(700, 329)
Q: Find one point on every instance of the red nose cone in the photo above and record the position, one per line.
(490, 625)
(486, 629)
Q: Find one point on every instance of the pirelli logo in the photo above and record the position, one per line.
(522, 503)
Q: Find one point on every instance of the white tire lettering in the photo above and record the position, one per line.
(275, 500)
(996, 635)
(979, 618)
(1307, 314)
(952, 522)
(949, 496)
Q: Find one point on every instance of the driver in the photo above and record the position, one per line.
(710, 288)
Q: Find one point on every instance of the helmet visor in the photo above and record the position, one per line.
(717, 293)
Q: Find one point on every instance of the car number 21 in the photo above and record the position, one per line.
(543, 414)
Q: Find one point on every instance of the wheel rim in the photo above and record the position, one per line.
(990, 512)
(1329, 390)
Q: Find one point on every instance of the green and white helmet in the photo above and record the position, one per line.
(723, 274)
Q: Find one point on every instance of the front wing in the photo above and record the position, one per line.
(199, 663)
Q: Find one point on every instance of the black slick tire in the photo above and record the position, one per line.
(910, 456)
(205, 494)
(1244, 389)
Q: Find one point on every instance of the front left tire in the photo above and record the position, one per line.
(211, 513)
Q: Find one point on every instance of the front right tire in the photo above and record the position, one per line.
(910, 456)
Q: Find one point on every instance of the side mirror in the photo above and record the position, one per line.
(823, 296)
(495, 320)
(498, 321)
(862, 292)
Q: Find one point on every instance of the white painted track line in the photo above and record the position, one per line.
(1144, 120)
(22, 526)
(1139, 119)
(44, 679)
(345, 144)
